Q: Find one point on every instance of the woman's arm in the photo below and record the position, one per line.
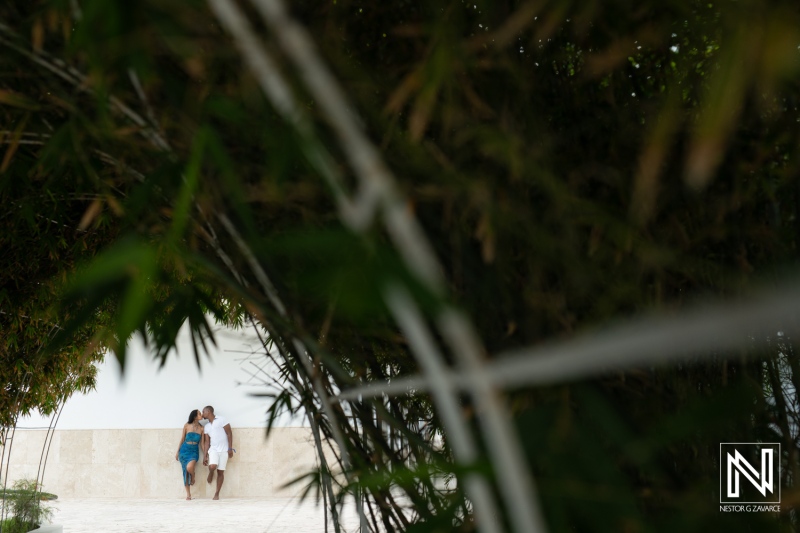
(183, 437)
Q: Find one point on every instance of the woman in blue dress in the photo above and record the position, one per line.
(189, 449)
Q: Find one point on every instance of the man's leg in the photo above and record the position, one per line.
(214, 464)
(220, 480)
(222, 460)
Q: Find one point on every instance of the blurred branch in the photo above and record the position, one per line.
(148, 109)
(710, 331)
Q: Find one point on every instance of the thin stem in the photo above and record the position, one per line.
(461, 441)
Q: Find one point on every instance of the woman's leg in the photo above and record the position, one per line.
(190, 468)
(186, 479)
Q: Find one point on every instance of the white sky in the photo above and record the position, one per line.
(149, 397)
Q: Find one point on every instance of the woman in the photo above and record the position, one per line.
(189, 449)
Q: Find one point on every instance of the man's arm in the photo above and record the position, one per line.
(229, 433)
(204, 444)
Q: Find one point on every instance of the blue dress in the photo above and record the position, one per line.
(189, 451)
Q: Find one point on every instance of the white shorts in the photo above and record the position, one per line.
(218, 458)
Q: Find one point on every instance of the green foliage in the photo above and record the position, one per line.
(24, 505)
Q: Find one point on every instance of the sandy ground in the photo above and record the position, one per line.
(233, 515)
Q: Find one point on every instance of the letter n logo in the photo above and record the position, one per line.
(750, 472)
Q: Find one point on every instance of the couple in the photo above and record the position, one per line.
(216, 442)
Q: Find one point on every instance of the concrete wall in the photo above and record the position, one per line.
(130, 463)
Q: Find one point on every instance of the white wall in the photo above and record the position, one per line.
(147, 397)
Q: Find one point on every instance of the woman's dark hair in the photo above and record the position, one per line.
(192, 415)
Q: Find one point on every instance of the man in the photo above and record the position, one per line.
(217, 446)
